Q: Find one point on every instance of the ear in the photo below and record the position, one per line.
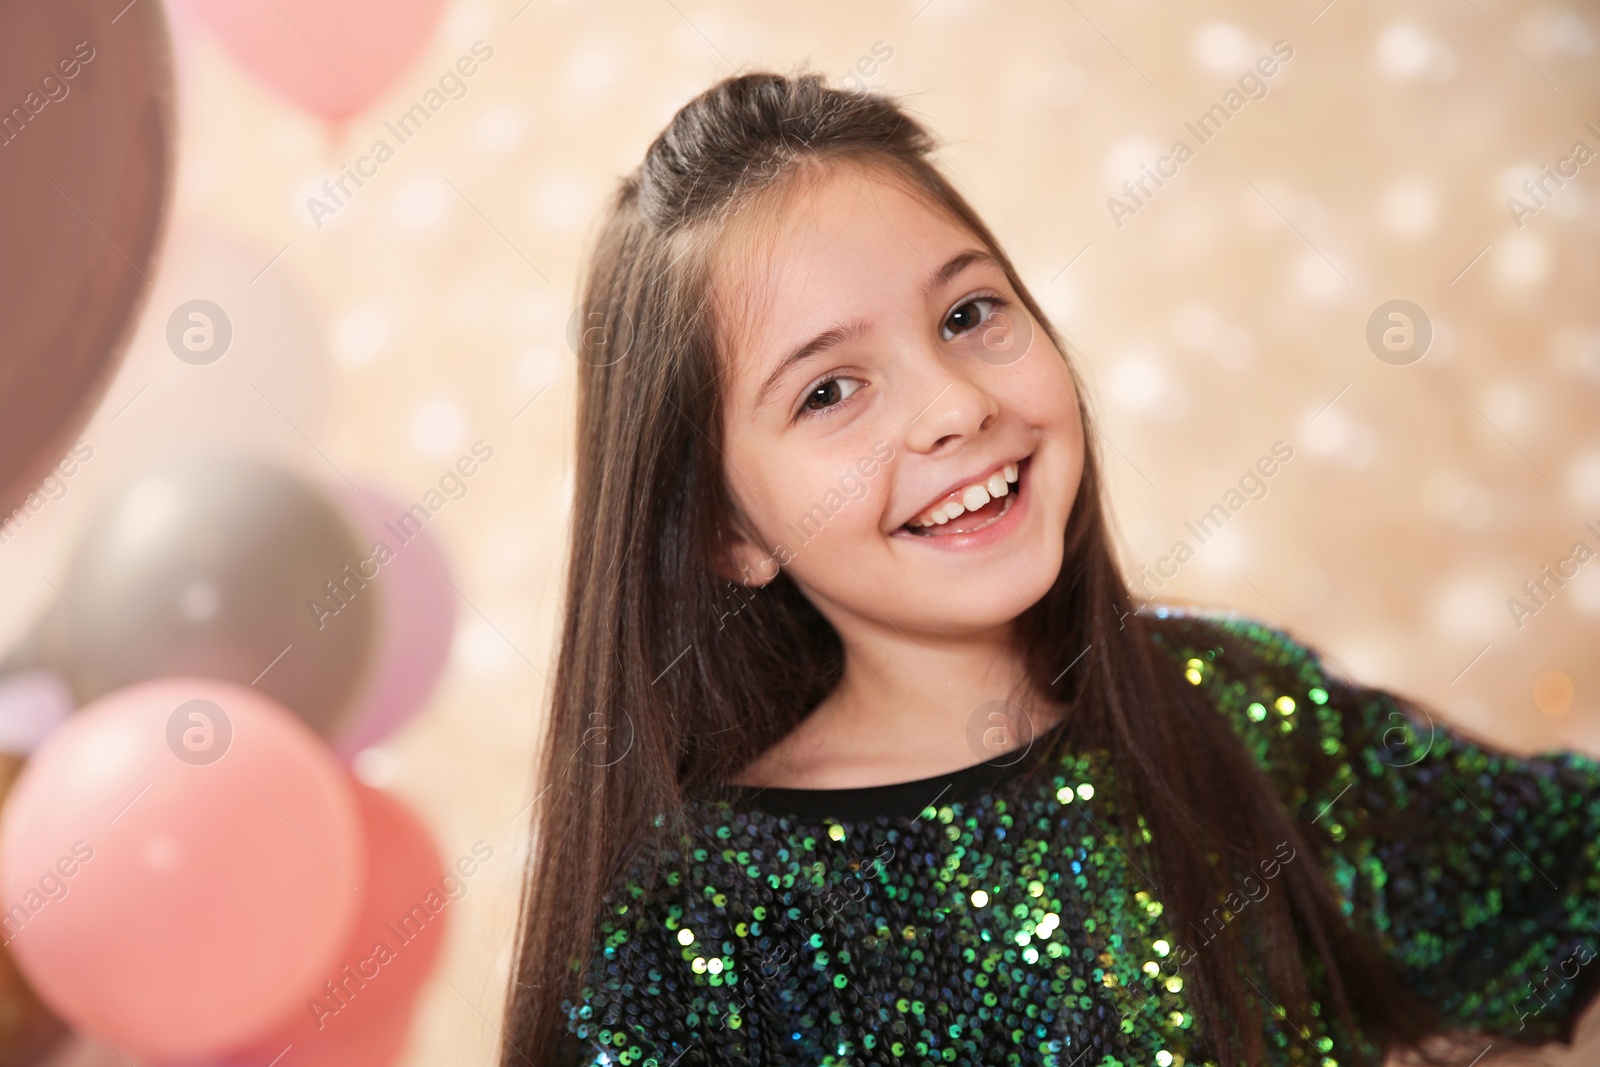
(741, 560)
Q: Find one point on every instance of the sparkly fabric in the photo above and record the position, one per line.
(1011, 927)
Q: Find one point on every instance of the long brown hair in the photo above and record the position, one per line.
(655, 701)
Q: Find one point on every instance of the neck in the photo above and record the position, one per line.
(910, 706)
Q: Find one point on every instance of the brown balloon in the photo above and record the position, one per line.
(86, 163)
(28, 1030)
(215, 565)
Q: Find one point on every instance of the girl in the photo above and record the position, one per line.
(860, 751)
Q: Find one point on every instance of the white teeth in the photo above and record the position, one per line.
(972, 497)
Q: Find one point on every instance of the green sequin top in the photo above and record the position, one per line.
(992, 917)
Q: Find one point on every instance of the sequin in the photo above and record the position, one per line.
(1013, 929)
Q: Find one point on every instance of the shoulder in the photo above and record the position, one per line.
(1237, 653)
(1301, 720)
(1243, 639)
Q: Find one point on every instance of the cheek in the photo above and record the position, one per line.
(1046, 399)
(833, 506)
(1051, 388)
(1043, 395)
(811, 503)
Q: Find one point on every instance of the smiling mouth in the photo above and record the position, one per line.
(988, 507)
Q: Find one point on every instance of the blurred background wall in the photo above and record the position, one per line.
(1395, 153)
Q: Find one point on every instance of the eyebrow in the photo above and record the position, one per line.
(843, 332)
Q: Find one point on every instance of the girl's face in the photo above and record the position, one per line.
(900, 435)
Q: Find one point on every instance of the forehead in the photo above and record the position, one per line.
(834, 245)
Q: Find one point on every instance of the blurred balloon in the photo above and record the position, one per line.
(363, 1019)
(417, 616)
(32, 703)
(375, 1043)
(28, 1030)
(85, 175)
(331, 57)
(221, 566)
(183, 864)
(267, 395)
(233, 347)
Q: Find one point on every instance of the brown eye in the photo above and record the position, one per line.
(823, 395)
(826, 394)
(969, 316)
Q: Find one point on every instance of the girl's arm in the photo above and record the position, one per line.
(1476, 872)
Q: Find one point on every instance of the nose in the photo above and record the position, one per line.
(958, 408)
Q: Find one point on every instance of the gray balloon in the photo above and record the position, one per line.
(224, 567)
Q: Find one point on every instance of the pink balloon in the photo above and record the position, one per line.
(417, 615)
(331, 57)
(181, 865)
(361, 1016)
(373, 1044)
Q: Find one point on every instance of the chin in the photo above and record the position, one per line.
(997, 603)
